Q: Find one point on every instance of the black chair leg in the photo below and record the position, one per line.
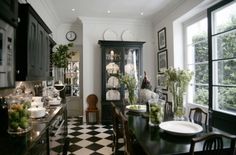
(66, 146)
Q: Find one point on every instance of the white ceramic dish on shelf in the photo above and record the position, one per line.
(128, 36)
(109, 35)
(181, 128)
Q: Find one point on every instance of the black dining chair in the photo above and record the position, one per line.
(214, 144)
(117, 126)
(168, 112)
(197, 115)
(131, 145)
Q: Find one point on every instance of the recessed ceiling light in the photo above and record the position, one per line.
(141, 13)
(73, 9)
(108, 11)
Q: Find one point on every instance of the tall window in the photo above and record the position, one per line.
(196, 55)
(223, 60)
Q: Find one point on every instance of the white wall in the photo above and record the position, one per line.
(46, 13)
(174, 29)
(93, 29)
(62, 29)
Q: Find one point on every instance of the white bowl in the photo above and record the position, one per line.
(37, 112)
(37, 99)
(36, 104)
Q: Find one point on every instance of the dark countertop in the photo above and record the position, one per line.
(21, 144)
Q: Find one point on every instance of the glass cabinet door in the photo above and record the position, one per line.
(132, 65)
(113, 68)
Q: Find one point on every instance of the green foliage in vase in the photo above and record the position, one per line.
(177, 81)
(61, 54)
(130, 83)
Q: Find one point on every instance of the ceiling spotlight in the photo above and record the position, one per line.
(141, 13)
(108, 11)
(73, 9)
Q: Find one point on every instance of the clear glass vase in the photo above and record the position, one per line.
(156, 111)
(18, 114)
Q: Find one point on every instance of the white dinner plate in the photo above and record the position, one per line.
(128, 36)
(182, 128)
(141, 108)
(109, 35)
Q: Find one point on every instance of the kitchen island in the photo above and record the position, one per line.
(39, 140)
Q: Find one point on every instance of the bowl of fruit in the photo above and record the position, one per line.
(18, 118)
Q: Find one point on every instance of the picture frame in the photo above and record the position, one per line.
(162, 59)
(161, 38)
(161, 81)
(164, 96)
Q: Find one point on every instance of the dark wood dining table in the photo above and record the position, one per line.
(155, 141)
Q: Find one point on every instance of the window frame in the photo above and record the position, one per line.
(187, 23)
(217, 118)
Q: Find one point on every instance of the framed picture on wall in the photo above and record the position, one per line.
(162, 59)
(161, 81)
(161, 38)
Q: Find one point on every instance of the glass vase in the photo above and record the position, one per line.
(156, 111)
(18, 115)
(177, 99)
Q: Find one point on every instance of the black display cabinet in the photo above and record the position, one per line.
(118, 57)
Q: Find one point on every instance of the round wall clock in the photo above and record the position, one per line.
(71, 36)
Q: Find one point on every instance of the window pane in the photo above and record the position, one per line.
(225, 45)
(201, 95)
(224, 18)
(197, 61)
(197, 32)
(198, 94)
(198, 52)
(226, 72)
(201, 73)
(225, 98)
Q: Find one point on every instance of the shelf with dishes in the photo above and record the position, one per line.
(113, 95)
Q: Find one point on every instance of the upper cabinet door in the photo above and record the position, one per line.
(32, 46)
(33, 54)
(9, 11)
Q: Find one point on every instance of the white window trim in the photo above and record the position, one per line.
(187, 23)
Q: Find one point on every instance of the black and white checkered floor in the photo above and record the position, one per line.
(91, 139)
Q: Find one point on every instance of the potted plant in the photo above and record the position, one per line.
(61, 55)
(177, 81)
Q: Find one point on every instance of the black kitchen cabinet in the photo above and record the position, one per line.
(32, 46)
(118, 57)
(41, 146)
(9, 11)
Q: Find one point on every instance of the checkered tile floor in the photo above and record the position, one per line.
(91, 139)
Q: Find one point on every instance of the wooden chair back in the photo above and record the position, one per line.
(128, 138)
(117, 126)
(213, 144)
(197, 115)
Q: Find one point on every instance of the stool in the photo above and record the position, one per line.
(92, 109)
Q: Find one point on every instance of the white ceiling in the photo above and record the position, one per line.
(129, 9)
